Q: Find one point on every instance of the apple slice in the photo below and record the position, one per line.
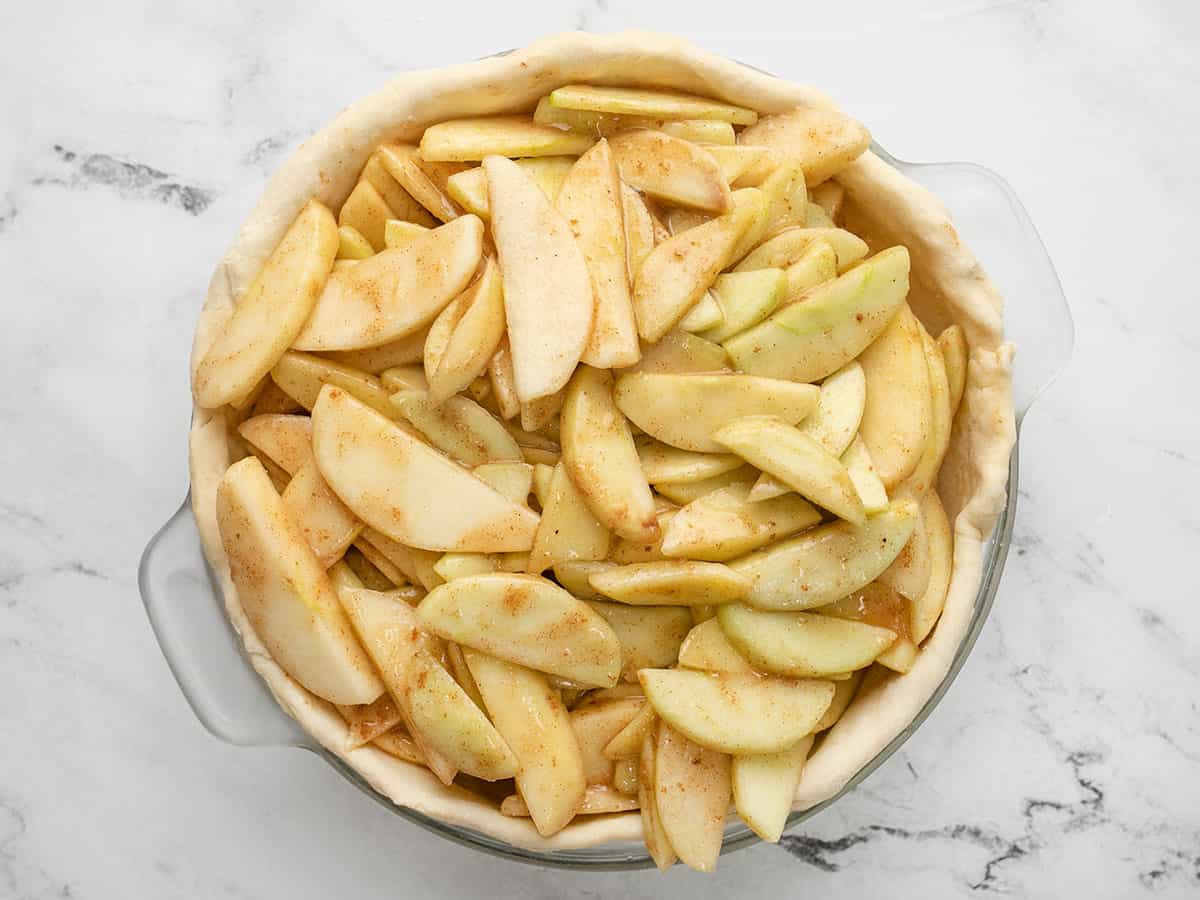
(401, 203)
(764, 786)
(926, 609)
(399, 743)
(384, 475)
(424, 180)
(574, 577)
(601, 458)
(366, 212)
(808, 340)
(656, 104)
(786, 196)
(373, 360)
(548, 295)
(649, 635)
(830, 196)
(473, 339)
(568, 531)
(705, 315)
(625, 552)
(285, 439)
(627, 742)
(797, 460)
(302, 375)
(897, 417)
(941, 419)
(725, 524)
(404, 378)
(827, 563)
(459, 427)
(464, 140)
(736, 160)
(671, 583)
(526, 620)
(327, 525)
(707, 649)
(816, 265)
(285, 592)
(834, 423)
(679, 352)
(595, 725)
(790, 244)
(842, 696)
(909, 572)
(531, 718)
(685, 411)
(953, 344)
(757, 208)
(368, 721)
(512, 479)
(672, 170)
(396, 292)
(692, 791)
(801, 644)
(598, 799)
(639, 229)
(734, 713)
(857, 460)
(273, 400)
(653, 833)
(272, 311)
(824, 140)
(745, 298)
(504, 381)
(452, 566)
(469, 188)
(677, 272)
(352, 244)
(685, 492)
(662, 462)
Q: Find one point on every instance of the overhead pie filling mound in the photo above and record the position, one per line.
(596, 439)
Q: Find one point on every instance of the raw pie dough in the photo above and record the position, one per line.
(883, 206)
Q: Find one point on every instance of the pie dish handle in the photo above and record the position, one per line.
(994, 224)
(201, 648)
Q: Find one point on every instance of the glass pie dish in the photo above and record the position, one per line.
(187, 613)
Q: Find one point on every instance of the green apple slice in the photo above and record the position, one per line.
(467, 140)
(548, 297)
(675, 171)
(568, 530)
(857, 460)
(627, 742)
(459, 427)
(941, 419)
(526, 620)
(655, 104)
(469, 188)
(745, 299)
(396, 292)
(285, 592)
(650, 636)
(795, 459)
(786, 196)
(824, 140)
(272, 311)
(928, 607)
(383, 475)
(725, 524)
(662, 462)
(802, 644)
(734, 713)
(789, 246)
(834, 423)
(828, 562)
(692, 791)
(531, 718)
(671, 583)
(764, 786)
(908, 575)
(704, 315)
(476, 333)
(679, 352)
(285, 439)
(816, 265)
(708, 650)
(685, 411)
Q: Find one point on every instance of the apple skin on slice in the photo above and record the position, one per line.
(403, 488)
(548, 297)
(396, 292)
(271, 313)
(285, 592)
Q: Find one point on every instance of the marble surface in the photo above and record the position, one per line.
(1065, 762)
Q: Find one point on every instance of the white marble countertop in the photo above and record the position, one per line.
(1066, 760)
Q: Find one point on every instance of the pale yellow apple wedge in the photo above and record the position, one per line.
(679, 352)
(272, 399)
(473, 339)
(786, 197)
(327, 525)
(465, 140)
(692, 791)
(574, 577)
(641, 102)
(625, 552)
(601, 458)
(368, 721)
(816, 217)
(649, 635)
(469, 188)
(953, 344)
(671, 583)
(285, 439)
(685, 411)
(764, 786)
(834, 422)
(672, 170)
(627, 742)
(625, 777)
(923, 478)
(423, 179)
(831, 325)
(531, 718)
(373, 360)
(598, 800)
(842, 695)
(724, 524)
(827, 563)
(503, 381)
(897, 416)
(352, 244)
(736, 160)
(857, 460)
(406, 490)
(824, 140)
(745, 298)
(734, 713)
(677, 272)
(595, 724)
(685, 492)
(527, 620)
(707, 649)
(302, 375)
(909, 572)
(830, 196)
(801, 644)
(396, 292)
(790, 245)
(816, 265)
(704, 316)
(403, 205)
(399, 743)
(927, 608)
(272, 311)
(568, 530)
(285, 592)
(512, 479)
(404, 378)
(399, 233)
(797, 460)
(548, 297)
(459, 427)
(366, 212)
(462, 565)
(639, 229)
(653, 833)
(590, 199)
(662, 462)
